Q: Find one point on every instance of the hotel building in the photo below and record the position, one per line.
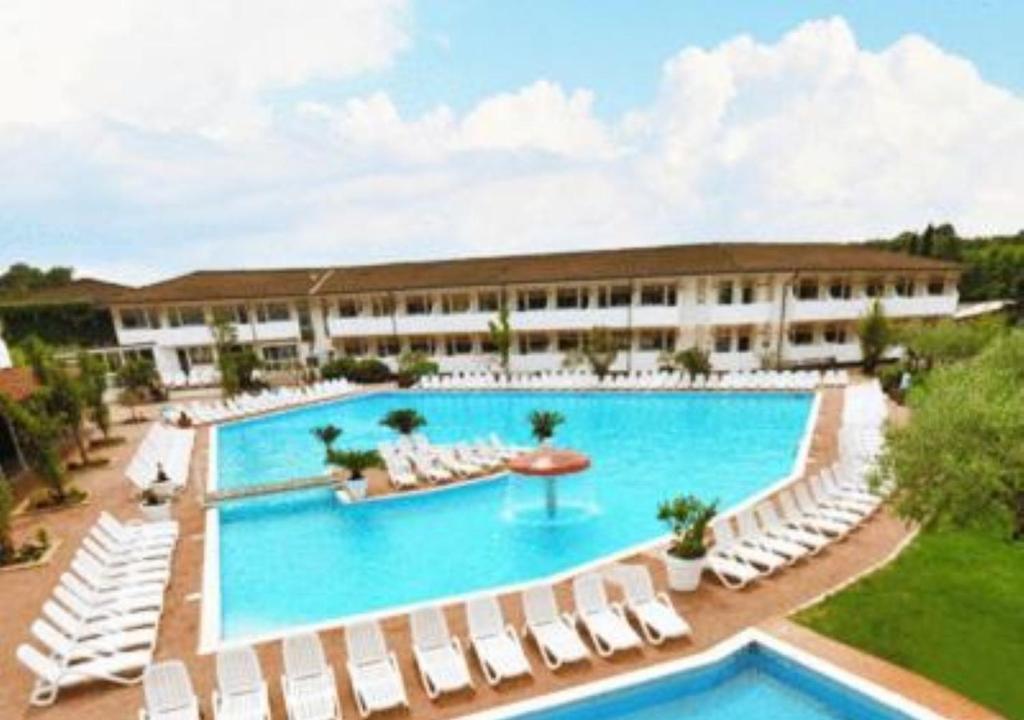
(748, 304)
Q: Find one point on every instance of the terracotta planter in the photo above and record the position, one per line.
(683, 575)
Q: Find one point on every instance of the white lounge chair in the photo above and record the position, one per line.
(308, 684)
(241, 692)
(113, 601)
(605, 622)
(774, 526)
(495, 643)
(654, 612)
(794, 515)
(438, 654)
(373, 670)
(555, 634)
(70, 649)
(168, 692)
(752, 534)
(728, 543)
(53, 676)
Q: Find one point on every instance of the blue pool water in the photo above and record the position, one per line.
(304, 558)
(755, 682)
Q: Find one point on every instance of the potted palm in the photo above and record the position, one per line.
(154, 505)
(404, 421)
(688, 517)
(356, 462)
(543, 424)
(327, 435)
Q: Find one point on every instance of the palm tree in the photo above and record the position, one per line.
(355, 461)
(327, 434)
(544, 423)
(403, 420)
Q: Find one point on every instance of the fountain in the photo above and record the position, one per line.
(551, 489)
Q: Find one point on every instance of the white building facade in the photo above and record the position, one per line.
(748, 305)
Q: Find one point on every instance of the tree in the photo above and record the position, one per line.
(543, 424)
(403, 420)
(694, 361)
(501, 336)
(93, 378)
(38, 435)
(876, 336)
(600, 348)
(929, 344)
(960, 460)
(7, 548)
(355, 461)
(688, 517)
(327, 434)
(65, 402)
(137, 378)
(413, 365)
(238, 365)
(22, 278)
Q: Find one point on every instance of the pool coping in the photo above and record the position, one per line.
(717, 653)
(210, 635)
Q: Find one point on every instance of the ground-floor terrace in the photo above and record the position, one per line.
(714, 612)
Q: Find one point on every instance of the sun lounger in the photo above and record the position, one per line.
(653, 611)
(71, 648)
(438, 654)
(53, 676)
(241, 692)
(728, 543)
(555, 634)
(605, 622)
(752, 534)
(168, 692)
(495, 643)
(373, 670)
(794, 515)
(774, 527)
(308, 683)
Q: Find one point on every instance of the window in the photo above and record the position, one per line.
(139, 318)
(533, 343)
(458, 345)
(748, 294)
(657, 295)
(807, 290)
(725, 292)
(622, 339)
(273, 312)
(453, 303)
(840, 290)
(614, 296)
(801, 335)
(532, 300)
(835, 334)
(936, 286)
(355, 347)
(417, 305)
(423, 345)
(381, 306)
(280, 353)
(388, 346)
(743, 341)
(572, 298)
(238, 314)
(875, 287)
(488, 301)
(348, 307)
(904, 287)
(723, 341)
(569, 342)
(487, 345)
(657, 340)
(186, 316)
(200, 355)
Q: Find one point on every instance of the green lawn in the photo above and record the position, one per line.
(950, 608)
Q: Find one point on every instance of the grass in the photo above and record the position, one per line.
(951, 608)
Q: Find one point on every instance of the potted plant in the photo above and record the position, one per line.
(327, 434)
(356, 462)
(405, 421)
(688, 517)
(543, 424)
(155, 506)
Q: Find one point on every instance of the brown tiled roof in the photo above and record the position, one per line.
(17, 383)
(81, 290)
(521, 269)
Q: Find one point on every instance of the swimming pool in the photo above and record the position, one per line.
(305, 559)
(750, 676)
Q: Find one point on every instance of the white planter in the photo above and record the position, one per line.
(683, 575)
(357, 488)
(155, 513)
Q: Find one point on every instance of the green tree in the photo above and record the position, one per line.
(687, 516)
(501, 336)
(960, 460)
(137, 378)
(66, 402)
(327, 434)
(93, 379)
(876, 336)
(403, 420)
(237, 365)
(694, 361)
(600, 349)
(38, 435)
(946, 341)
(355, 461)
(414, 365)
(543, 424)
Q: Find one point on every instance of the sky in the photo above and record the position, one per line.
(144, 139)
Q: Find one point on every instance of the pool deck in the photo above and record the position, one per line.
(714, 612)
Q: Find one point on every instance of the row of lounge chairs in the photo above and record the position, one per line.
(203, 413)
(197, 376)
(414, 458)
(104, 616)
(310, 689)
(812, 513)
(640, 380)
(166, 451)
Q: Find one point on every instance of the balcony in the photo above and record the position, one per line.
(920, 305)
(357, 326)
(277, 330)
(656, 316)
(821, 353)
(742, 314)
(440, 324)
(167, 336)
(570, 319)
(810, 310)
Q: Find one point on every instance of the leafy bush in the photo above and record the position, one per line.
(365, 371)
(414, 365)
(327, 434)
(876, 336)
(694, 361)
(355, 461)
(688, 517)
(403, 420)
(544, 422)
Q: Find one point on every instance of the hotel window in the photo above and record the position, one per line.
(388, 346)
(487, 345)
(614, 296)
(280, 353)
(455, 303)
(840, 290)
(566, 298)
(657, 295)
(807, 290)
(186, 316)
(231, 313)
(139, 318)
(348, 307)
(874, 288)
(622, 339)
(273, 312)
(382, 306)
(835, 334)
(936, 286)
(801, 335)
(748, 295)
(569, 342)
(725, 292)
(533, 343)
(423, 345)
(488, 301)
(904, 287)
(657, 340)
(200, 355)
(743, 340)
(458, 345)
(417, 305)
(723, 341)
(532, 300)
(355, 347)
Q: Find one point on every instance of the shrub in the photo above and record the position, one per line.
(414, 365)
(688, 517)
(876, 336)
(694, 361)
(355, 461)
(403, 420)
(367, 370)
(544, 422)
(337, 368)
